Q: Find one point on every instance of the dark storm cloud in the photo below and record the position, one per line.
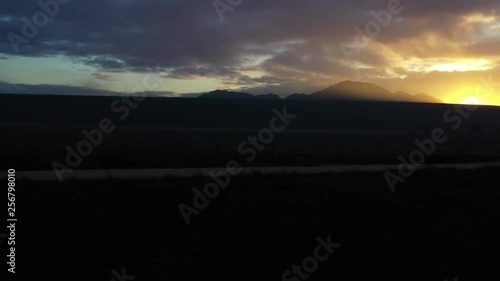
(301, 38)
(186, 72)
(103, 76)
(104, 62)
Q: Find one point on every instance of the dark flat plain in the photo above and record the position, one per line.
(436, 225)
(182, 133)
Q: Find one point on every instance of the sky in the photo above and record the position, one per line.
(447, 48)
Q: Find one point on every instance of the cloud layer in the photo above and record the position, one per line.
(281, 46)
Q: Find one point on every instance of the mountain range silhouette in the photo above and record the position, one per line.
(343, 91)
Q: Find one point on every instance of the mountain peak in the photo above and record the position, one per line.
(354, 90)
(347, 90)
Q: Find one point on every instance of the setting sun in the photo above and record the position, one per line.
(472, 100)
(470, 93)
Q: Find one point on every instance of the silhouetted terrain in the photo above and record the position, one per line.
(438, 224)
(222, 94)
(343, 91)
(422, 97)
(162, 132)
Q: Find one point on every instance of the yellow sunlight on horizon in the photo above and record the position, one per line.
(473, 95)
(472, 100)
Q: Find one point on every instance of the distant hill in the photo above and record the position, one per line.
(268, 97)
(350, 90)
(403, 96)
(359, 91)
(423, 98)
(343, 91)
(298, 97)
(223, 94)
(427, 98)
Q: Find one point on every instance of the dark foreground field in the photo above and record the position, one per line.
(437, 225)
(36, 131)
